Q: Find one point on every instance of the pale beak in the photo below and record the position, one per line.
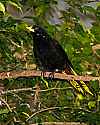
(30, 28)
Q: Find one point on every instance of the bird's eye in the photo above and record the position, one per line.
(37, 34)
(36, 28)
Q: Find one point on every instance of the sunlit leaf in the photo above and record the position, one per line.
(45, 81)
(4, 111)
(91, 104)
(2, 7)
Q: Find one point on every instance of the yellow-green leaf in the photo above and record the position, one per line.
(80, 96)
(2, 7)
(91, 104)
(44, 81)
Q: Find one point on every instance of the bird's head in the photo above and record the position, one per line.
(37, 31)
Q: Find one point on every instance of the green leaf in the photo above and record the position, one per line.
(99, 98)
(91, 104)
(98, 12)
(97, 4)
(88, 9)
(79, 29)
(95, 30)
(80, 97)
(95, 85)
(2, 7)
(4, 111)
(20, 27)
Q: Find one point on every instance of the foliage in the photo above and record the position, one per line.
(16, 54)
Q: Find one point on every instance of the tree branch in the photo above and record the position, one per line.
(32, 89)
(54, 108)
(35, 73)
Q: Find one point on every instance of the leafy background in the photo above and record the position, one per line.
(65, 21)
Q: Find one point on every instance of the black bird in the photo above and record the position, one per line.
(51, 56)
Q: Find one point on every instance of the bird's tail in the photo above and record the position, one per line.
(79, 86)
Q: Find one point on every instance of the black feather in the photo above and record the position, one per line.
(48, 52)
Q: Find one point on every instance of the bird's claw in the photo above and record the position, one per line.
(43, 73)
(51, 75)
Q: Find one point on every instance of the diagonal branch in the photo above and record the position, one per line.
(35, 73)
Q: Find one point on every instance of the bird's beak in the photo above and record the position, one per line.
(30, 28)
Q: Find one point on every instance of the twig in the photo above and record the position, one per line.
(54, 108)
(60, 123)
(15, 95)
(32, 89)
(93, 1)
(27, 12)
(15, 44)
(95, 48)
(6, 104)
(35, 73)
